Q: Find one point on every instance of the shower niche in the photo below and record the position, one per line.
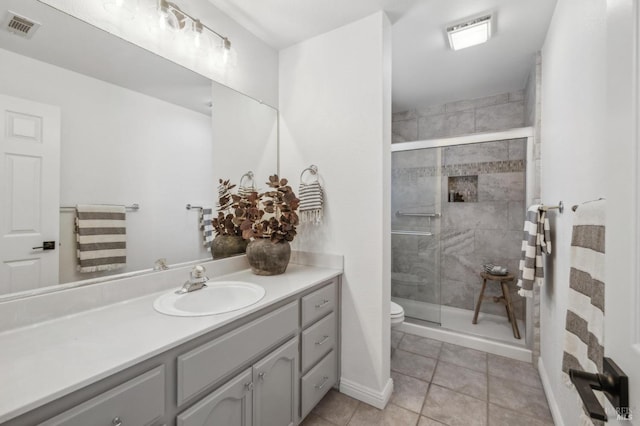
(462, 189)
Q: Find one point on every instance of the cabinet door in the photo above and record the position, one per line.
(230, 405)
(276, 387)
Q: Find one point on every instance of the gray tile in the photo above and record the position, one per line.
(499, 244)
(476, 153)
(449, 124)
(421, 345)
(518, 149)
(413, 365)
(336, 407)
(464, 357)
(501, 186)
(408, 392)
(414, 159)
(511, 369)
(478, 102)
(499, 416)
(315, 420)
(404, 115)
(485, 215)
(404, 131)
(425, 421)
(516, 215)
(518, 397)
(457, 241)
(518, 95)
(457, 294)
(392, 415)
(396, 337)
(462, 380)
(464, 268)
(454, 409)
(431, 110)
(500, 117)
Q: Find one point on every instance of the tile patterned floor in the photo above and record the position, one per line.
(439, 384)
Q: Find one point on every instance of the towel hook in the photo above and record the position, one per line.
(312, 169)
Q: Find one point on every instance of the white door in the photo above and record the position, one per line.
(29, 194)
(622, 287)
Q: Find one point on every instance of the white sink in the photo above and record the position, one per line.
(217, 297)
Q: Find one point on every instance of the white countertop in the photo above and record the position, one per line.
(45, 361)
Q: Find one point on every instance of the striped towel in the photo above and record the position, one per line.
(245, 191)
(206, 214)
(584, 336)
(537, 240)
(311, 202)
(101, 237)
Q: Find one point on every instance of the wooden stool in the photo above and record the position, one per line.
(504, 281)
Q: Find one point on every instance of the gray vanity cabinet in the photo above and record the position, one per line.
(269, 369)
(263, 395)
(230, 405)
(275, 380)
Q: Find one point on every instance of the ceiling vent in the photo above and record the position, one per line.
(19, 25)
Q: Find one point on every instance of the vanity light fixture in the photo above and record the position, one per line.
(470, 33)
(175, 19)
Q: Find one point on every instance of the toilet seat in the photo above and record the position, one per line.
(396, 310)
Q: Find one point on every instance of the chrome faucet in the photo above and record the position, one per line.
(197, 280)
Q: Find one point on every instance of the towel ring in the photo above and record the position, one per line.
(249, 175)
(313, 170)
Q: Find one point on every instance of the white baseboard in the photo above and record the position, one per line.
(367, 395)
(548, 392)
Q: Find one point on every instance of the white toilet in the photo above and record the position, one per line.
(397, 315)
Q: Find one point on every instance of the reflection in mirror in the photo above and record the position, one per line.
(118, 125)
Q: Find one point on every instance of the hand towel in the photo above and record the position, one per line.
(311, 202)
(206, 214)
(101, 237)
(584, 335)
(537, 240)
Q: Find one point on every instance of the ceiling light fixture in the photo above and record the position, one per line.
(470, 33)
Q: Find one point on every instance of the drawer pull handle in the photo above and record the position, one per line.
(325, 379)
(116, 421)
(322, 304)
(261, 375)
(249, 386)
(323, 341)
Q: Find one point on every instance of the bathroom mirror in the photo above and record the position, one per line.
(135, 128)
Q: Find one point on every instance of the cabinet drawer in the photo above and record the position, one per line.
(318, 339)
(205, 365)
(317, 382)
(139, 401)
(318, 304)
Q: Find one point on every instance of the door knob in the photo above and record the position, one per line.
(613, 382)
(46, 245)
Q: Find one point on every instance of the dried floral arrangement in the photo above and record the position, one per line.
(228, 222)
(271, 214)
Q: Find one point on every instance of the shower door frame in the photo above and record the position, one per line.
(531, 189)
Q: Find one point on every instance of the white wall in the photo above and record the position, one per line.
(255, 74)
(335, 101)
(122, 147)
(252, 135)
(574, 144)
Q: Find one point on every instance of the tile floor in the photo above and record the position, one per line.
(438, 384)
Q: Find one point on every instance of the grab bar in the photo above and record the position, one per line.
(422, 233)
(399, 213)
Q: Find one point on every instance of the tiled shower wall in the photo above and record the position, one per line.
(488, 114)
(444, 268)
(470, 233)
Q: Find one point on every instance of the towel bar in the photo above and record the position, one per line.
(399, 213)
(192, 207)
(133, 207)
(559, 207)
